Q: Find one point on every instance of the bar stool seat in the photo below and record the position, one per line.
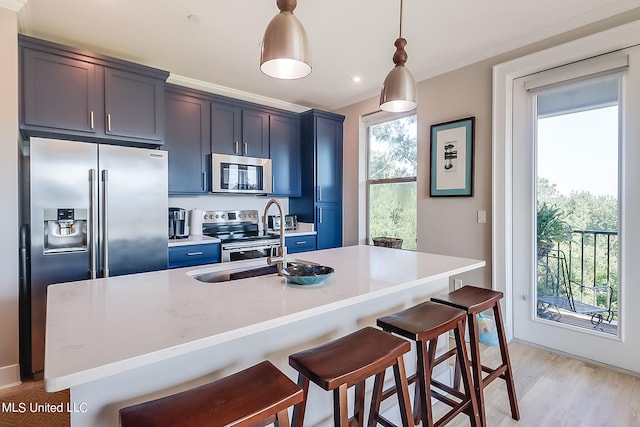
(259, 395)
(348, 361)
(424, 323)
(474, 300)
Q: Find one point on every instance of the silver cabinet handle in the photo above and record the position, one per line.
(91, 119)
(236, 147)
(246, 148)
(194, 253)
(301, 242)
(93, 224)
(320, 215)
(109, 122)
(105, 223)
(319, 193)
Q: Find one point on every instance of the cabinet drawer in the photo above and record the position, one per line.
(190, 255)
(297, 244)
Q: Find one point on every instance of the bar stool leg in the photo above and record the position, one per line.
(504, 352)
(282, 419)
(340, 406)
(359, 403)
(300, 408)
(426, 357)
(476, 366)
(464, 369)
(402, 387)
(376, 399)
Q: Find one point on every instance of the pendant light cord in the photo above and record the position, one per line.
(400, 19)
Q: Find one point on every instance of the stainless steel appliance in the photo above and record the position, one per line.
(90, 211)
(239, 174)
(177, 223)
(290, 222)
(239, 234)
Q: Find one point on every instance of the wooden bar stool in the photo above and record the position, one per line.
(349, 361)
(474, 300)
(424, 323)
(259, 395)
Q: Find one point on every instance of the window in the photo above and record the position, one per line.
(391, 180)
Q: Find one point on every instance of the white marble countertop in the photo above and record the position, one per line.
(193, 240)
(98, 328)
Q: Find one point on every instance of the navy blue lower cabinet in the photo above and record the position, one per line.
(190, 255)
(296, 244)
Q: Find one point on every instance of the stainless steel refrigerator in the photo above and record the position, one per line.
(90, 211)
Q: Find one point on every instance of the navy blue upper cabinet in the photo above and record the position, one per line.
(320, 200)
(226, 128)
(60, 92)
(186, 140)
(284, 151)
(329, 160)
(238, 130)
(133, 105)
(255, 133)
(67, 92)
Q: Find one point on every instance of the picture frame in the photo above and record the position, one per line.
(452, 158)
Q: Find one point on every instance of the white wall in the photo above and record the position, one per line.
(9, 372)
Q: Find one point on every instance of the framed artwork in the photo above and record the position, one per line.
(452, 158)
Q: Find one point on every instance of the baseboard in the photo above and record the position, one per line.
(9, 376)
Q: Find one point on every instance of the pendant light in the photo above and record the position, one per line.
(285, 51)
(399, 88)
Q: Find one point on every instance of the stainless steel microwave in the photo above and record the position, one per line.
(240, 174)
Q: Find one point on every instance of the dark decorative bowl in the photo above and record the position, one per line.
(306, 274)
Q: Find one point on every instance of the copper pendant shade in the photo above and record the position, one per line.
(399, 89)
(285, 50)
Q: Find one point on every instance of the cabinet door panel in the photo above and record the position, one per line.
(255, 133)
(133, 105)
(187, 141)
(226, 129)
(58, 92)
(329, 161)
(284, 151)
(329, 226)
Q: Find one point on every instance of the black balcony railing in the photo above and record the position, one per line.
(590, 269)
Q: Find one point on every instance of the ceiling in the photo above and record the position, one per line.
(215, 44)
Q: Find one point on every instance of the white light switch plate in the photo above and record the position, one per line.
(482, 217)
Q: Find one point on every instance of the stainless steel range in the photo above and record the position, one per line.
(240, 234)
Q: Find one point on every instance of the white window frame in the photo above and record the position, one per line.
(369, 120)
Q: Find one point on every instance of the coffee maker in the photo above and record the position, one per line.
(177, 223)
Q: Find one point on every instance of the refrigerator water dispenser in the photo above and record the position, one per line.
(65, 230)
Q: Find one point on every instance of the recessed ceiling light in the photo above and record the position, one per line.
(356, 79)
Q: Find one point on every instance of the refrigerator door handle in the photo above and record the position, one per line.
(105, 223)
(93, 223)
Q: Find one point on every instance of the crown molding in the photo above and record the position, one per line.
(234, 93)
(14, 5)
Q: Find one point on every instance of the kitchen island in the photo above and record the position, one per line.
(119, 341)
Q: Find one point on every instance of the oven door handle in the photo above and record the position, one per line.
(236, 248)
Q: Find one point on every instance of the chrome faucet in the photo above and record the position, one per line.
(281, 258)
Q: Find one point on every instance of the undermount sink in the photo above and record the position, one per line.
(301, 273)
(235, 274)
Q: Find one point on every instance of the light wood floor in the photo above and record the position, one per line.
(553, 391)
(557, 391)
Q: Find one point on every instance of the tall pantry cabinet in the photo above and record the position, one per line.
(321, 180)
